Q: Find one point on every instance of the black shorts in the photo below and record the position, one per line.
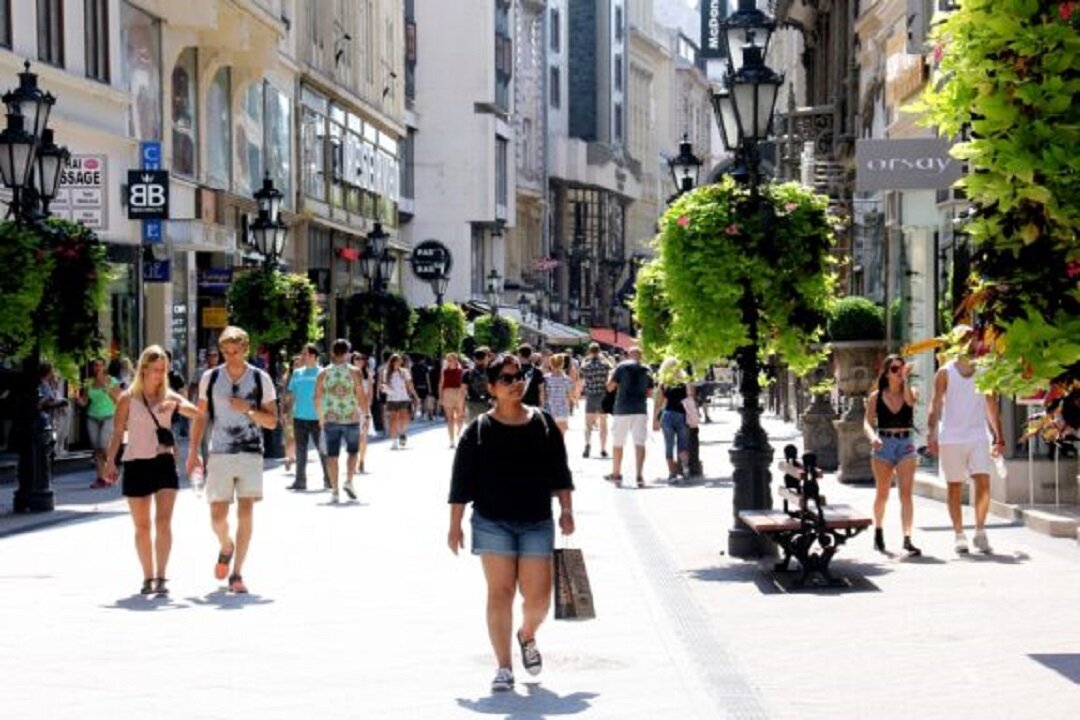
(146, 477)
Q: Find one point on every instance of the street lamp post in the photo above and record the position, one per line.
(377, 265)
(744, 110)
(267, 236)
(685, 167)
(494, 290)
(30, 166)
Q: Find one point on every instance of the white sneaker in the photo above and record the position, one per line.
(349, 490)
(961, 544)
(394, 446)
(504, 680)
(980, 541)
(334, 497)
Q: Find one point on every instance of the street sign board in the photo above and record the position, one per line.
(150, 154)
(81, 195)
(148, 194)
(153, 231)
(157, 271)
(905, 164)
(713, 12)
(431, 260)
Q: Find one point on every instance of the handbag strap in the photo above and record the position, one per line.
(149, 410)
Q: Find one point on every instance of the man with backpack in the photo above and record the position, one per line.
(477, 393)
(240, 402)
(535, 391)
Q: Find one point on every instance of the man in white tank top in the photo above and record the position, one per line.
(957, 425)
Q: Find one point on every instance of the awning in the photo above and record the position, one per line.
(613, 338)
(554, 333)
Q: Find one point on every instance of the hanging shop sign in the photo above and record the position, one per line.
(909, 164)
(431, 260)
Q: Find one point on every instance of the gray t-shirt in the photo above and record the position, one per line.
(234, 432)
(635, 381)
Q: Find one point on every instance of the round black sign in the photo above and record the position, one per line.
(431, 260)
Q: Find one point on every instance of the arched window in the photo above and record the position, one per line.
(219, 131)
(185, 115)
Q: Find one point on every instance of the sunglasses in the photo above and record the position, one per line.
(236, 389)
(894, 369)
(510, 379)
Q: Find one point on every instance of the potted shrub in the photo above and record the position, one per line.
(856, 332)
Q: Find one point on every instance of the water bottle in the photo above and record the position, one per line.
(198, 481)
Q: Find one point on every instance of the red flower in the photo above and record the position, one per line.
(1073, 268)
(683, 221)
(1066, 9)
(732, 229)
(939, 52)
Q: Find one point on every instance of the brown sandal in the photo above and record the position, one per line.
(221, 569)
(236, 585)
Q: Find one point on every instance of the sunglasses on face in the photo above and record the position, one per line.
(235, 389)
(894, 369)
(511, 378)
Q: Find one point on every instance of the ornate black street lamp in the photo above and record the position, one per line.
(268, 230)
(377, 262)
(439, 285)
(744, 111)
(685, 167)
(494, 290)
(30, 166)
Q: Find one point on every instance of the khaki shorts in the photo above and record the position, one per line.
(960, 461)
(237, 475)
(637, 426)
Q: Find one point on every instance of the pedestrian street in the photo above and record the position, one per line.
(359, 610)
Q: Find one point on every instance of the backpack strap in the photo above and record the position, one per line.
(210, 391)
(258, 386)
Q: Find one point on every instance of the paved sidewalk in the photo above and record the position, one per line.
(359, 610)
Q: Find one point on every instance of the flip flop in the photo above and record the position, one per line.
(221, 570)
(617, 479)
(236, 585)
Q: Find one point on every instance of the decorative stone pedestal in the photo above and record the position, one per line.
(819, 435)
(855, 364)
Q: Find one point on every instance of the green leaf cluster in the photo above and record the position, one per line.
(379, 320)
(718, 240)
(1010, 73)
(856, 318)
(497, 332)
(278, 310)
(438, 327)
(53, 288)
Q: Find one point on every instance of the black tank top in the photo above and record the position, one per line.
(888, 420)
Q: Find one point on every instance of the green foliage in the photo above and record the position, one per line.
(497, 332)
(438, 327)
(1011, 74)
(53, 287)
(379, 320)
(652, 311)
(27, 267)
(278, 310)
(857, 318)
(717, 241)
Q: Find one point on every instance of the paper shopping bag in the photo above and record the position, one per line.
(573, 596)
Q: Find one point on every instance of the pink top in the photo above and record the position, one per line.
(142, 441)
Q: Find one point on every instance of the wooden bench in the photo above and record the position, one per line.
(806, 528)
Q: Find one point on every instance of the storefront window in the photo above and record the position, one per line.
(249, 141)
(185, 131)
(337, 156)
(277, 127)
(313, 132)
(140, 36)
(219, 132)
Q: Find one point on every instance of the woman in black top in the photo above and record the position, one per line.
(509, 462)
(670, 417)
(889, 424)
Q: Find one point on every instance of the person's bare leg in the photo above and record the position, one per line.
(883, 473)
(164, 502)
(219, 521)
(603, 433)
(140, 516)
(639, 451)
(616, 461)
(332, 471)
(500, 572)
(245, 523)
(905, 473)
(534, 578)
(351, 462)
(982, 500)
(956, 513)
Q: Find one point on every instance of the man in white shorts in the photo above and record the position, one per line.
(957, 426)
(632, 384)
(240, 402)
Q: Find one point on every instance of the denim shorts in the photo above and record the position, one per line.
(895, 449)
(334, 433)
(512, 538)
(674, 426)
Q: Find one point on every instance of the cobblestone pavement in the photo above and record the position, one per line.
(360, 611)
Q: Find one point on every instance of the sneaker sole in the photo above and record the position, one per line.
(351, 493)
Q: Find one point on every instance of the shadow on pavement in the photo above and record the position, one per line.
(223, 600)
(1066, 664)
(769, 581)
(138, 602)
(992, 557)
(537, 702)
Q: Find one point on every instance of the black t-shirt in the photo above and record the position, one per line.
(673, 398)
(508, 472)
(476, 385)
(533, 383)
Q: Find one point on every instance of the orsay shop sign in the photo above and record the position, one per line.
(909, 164)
